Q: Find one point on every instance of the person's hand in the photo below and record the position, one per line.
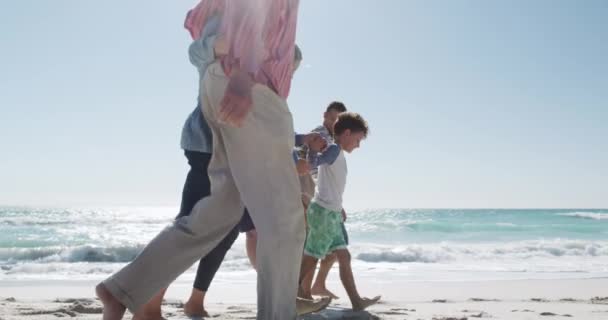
(302, 167)
(220, 47)
(343, 215)
(316, 142)
(237, 101)
(307, 138)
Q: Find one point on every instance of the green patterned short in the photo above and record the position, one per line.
(325, 233)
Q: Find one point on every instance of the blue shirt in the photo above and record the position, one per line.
(196, 135)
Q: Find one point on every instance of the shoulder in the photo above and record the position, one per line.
(332, 153)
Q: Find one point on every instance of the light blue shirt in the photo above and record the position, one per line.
(196, 135)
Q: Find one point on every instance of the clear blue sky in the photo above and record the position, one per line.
(470, 103)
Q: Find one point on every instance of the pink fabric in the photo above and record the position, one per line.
(260, 35)
(197, 17)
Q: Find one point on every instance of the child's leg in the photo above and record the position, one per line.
(348, 280)
(308, 265)
(318, 242)
(319, 288)
(305, 287)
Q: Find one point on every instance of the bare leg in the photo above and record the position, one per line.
(112, 308)
(304, 305)
(251, 243)
(346, 275)
(152, 309)
(195, 307)
(308, 266)
(304, 289)
(319, 288)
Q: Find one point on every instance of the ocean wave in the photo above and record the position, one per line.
(84, 253)
(586, 215)
(450, 252)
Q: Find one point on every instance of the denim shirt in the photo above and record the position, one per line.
(196, 135)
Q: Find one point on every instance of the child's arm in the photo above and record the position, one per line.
(327, 156)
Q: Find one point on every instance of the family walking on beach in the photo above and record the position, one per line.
(250, 173)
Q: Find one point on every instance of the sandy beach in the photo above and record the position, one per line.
(440, 300)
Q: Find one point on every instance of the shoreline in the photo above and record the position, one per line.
(503, 299)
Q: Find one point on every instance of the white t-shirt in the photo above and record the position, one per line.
(331, 183)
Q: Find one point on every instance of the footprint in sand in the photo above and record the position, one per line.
(551, 314)
(82, 306)
(483, 300)
(393, 313)
(237, 310)
(478, 313)
(439, 301)
(482, 314)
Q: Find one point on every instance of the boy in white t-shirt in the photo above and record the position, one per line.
(324, 214)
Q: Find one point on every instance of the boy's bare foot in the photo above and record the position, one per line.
(322, 291)
(304, 294)
(365, 302)
(305, 306)
(195, 310)
(112, 308)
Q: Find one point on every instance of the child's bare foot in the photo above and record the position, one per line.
(305, 306)
(112, 308)
(322, 291)
(364, 303)
(304, 294)
(193, 310)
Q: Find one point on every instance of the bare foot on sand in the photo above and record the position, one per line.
(304, 294)
(322, 291)
(305, 306)
(148, 316)
(365, 302)
(112, 308)
(195, 310)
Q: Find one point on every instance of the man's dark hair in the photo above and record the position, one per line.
(336, 106)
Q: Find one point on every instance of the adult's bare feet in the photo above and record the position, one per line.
(195, 310)
(112, 308)
(304, 294)
(148, 316)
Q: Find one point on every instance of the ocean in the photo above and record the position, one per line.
(412, 244)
